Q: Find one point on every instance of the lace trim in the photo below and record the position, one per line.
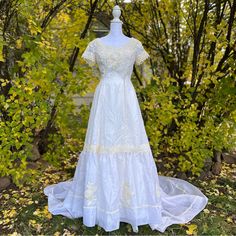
(112, 212)
(89, 58)
(117, 149)
(89, 53)
(141, 58)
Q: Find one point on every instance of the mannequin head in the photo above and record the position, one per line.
(116, 14)
(116, 23)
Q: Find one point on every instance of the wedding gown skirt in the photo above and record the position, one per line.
(116, 178)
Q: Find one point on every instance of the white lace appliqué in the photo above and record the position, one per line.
(89, 54)
(117, 149)
(127, 194)
(90, 193)
(141, 54)
(114, 58)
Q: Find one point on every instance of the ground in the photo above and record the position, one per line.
(24, 211)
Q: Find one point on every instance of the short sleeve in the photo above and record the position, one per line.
(89, 54)
(141, 54)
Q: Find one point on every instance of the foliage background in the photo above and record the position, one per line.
(187, 96)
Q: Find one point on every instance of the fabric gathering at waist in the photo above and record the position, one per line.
(114, 77)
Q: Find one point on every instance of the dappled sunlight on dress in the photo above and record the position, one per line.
(116, 178)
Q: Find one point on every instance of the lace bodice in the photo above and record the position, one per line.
(114, 61)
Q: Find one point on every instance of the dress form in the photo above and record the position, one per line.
(115, 37)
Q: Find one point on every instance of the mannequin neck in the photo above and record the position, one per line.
(116, 30)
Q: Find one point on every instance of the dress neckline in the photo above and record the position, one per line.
(116, 47)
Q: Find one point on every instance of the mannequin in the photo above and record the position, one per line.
(115, 37)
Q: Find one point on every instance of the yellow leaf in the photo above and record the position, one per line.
(56, 233)
(49, 216)
(12, 213)
(192, 228)
(206, 211)
(6, 106)
(229, 219)
(36, 212)
(6, 221)
(15, 234)
(18, 43)
(47, 213)
(32, 222)
(30, 202)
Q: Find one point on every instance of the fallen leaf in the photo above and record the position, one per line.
(192, 229)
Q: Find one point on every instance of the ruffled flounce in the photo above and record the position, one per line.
(111, 188)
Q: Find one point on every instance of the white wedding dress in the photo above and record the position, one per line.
(116, 177)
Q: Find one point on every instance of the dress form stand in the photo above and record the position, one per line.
(115, 37)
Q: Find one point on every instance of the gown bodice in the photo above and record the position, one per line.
(115, 62)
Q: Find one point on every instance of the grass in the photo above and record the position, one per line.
(23, 211)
